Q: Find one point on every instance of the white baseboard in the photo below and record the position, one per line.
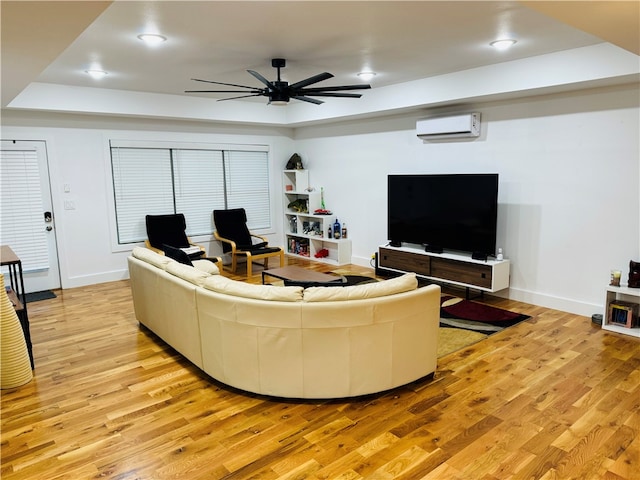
(550, 301)
(362, 261)
(103, 277)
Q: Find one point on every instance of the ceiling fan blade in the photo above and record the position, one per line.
(260, 92)
(221, 83)
(242, 96)
(261, 78)
(315, 79)
(334, 89)
(307, 99)
(335, 94)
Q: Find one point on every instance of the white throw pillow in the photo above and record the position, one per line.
(404, 283)
(220, 284)
(151, 257)
(206, 266)
(188, 273)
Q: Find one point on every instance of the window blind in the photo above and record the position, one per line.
(199, 181)
(247, 183)
(21, 209)
(142, 186)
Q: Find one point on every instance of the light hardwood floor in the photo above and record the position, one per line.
(551, 398)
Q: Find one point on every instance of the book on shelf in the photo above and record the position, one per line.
(624, 314)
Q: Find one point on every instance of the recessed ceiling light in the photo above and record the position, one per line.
(96, 73)
(503, 44)
(152, 38)
(367, 75)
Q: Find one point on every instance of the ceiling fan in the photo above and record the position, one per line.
(279, 92)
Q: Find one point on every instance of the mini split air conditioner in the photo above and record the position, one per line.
(464, 125)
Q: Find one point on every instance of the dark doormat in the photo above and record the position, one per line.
(37, 296)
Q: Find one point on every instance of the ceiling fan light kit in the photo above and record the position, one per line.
(280, 92)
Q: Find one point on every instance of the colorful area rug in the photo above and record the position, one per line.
(453, 339)
(464, 322)
(456, 312)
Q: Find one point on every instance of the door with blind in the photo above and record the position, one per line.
(27, 221)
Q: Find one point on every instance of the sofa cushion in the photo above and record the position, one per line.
(225, 285)
(149, 256)
(190, 274)
(404, 283)
(206, 266)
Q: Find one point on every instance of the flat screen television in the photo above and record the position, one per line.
(444, 212)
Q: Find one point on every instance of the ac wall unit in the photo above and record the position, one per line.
(465, 125)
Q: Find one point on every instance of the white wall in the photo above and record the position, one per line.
(569, 168)
(569, 185)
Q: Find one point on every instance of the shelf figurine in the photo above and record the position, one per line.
(294, 163)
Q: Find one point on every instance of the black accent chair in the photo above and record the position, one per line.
(232, 231)
(170, 230)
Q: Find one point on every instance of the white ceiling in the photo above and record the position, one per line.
(47, 46)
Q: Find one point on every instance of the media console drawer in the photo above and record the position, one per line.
(490, 276)
(457, 271)
(411, 262)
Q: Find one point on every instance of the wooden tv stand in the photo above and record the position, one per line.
(453, 268)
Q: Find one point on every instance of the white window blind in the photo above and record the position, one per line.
(142, 186)
(191, 181)
(199, 183)
(21, 225)
(248, 186)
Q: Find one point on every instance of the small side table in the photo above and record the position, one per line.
(293, 275)
(17, 294)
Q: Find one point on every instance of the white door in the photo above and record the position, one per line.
(27, 220)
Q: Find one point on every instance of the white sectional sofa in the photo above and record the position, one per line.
(322, 342)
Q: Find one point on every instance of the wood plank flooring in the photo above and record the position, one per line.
(551, 398)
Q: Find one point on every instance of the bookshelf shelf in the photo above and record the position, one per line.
(620, 294)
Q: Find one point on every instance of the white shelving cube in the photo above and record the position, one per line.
(307, 242)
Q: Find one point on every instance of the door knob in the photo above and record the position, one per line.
(49, 228)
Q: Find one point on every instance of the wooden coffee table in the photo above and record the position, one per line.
(298, 276)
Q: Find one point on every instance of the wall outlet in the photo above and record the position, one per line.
(69, 205)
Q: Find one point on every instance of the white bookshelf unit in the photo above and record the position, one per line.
(622, 293)
(452, 268)
(306, 232)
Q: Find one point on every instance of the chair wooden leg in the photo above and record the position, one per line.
(281, 258)
(234, 262)
(249, 265)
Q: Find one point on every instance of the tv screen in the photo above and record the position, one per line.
(444, 212)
